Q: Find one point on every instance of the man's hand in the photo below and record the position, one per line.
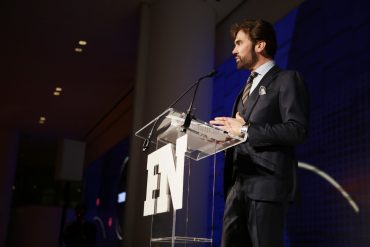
(231, 125)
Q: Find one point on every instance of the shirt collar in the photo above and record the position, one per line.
(264, 68)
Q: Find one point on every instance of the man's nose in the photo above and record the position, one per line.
(234, 52)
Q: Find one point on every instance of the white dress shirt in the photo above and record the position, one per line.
(262, 71)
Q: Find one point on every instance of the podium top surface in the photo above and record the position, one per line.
(204, 139)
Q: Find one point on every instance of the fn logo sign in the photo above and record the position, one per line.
(165, 177)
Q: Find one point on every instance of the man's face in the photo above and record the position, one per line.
(244, 53)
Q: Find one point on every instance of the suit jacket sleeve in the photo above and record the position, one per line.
(293, 106)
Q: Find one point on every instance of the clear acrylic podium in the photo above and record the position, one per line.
(185, 227)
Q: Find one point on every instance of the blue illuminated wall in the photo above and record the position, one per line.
(329, 43)
(104, 179)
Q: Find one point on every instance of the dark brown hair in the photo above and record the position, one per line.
(258, 30)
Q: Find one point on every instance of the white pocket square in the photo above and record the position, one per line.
(262, 90)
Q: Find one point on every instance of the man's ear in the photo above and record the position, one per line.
(260, 46)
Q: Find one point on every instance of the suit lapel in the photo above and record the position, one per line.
(253, 98)
(235, 106)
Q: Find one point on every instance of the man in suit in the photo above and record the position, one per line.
(272, 112)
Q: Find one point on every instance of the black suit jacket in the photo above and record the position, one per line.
(277, 111)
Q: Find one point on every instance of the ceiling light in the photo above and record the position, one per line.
(82, 42)
(58, 91)
(77, 49)
(42, 120)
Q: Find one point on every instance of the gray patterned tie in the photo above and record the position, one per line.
(248, 86)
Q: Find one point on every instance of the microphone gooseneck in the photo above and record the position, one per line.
(146, 143)
(189, 115)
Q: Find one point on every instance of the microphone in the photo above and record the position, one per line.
(189, 115)
(210, 74)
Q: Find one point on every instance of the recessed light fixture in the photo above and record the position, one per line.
(42, 120)
(82, 42)
(58, 91)
(78, 49)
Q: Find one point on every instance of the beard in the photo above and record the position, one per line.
(248, 61)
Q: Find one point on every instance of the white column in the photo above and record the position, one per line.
(176, 47)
